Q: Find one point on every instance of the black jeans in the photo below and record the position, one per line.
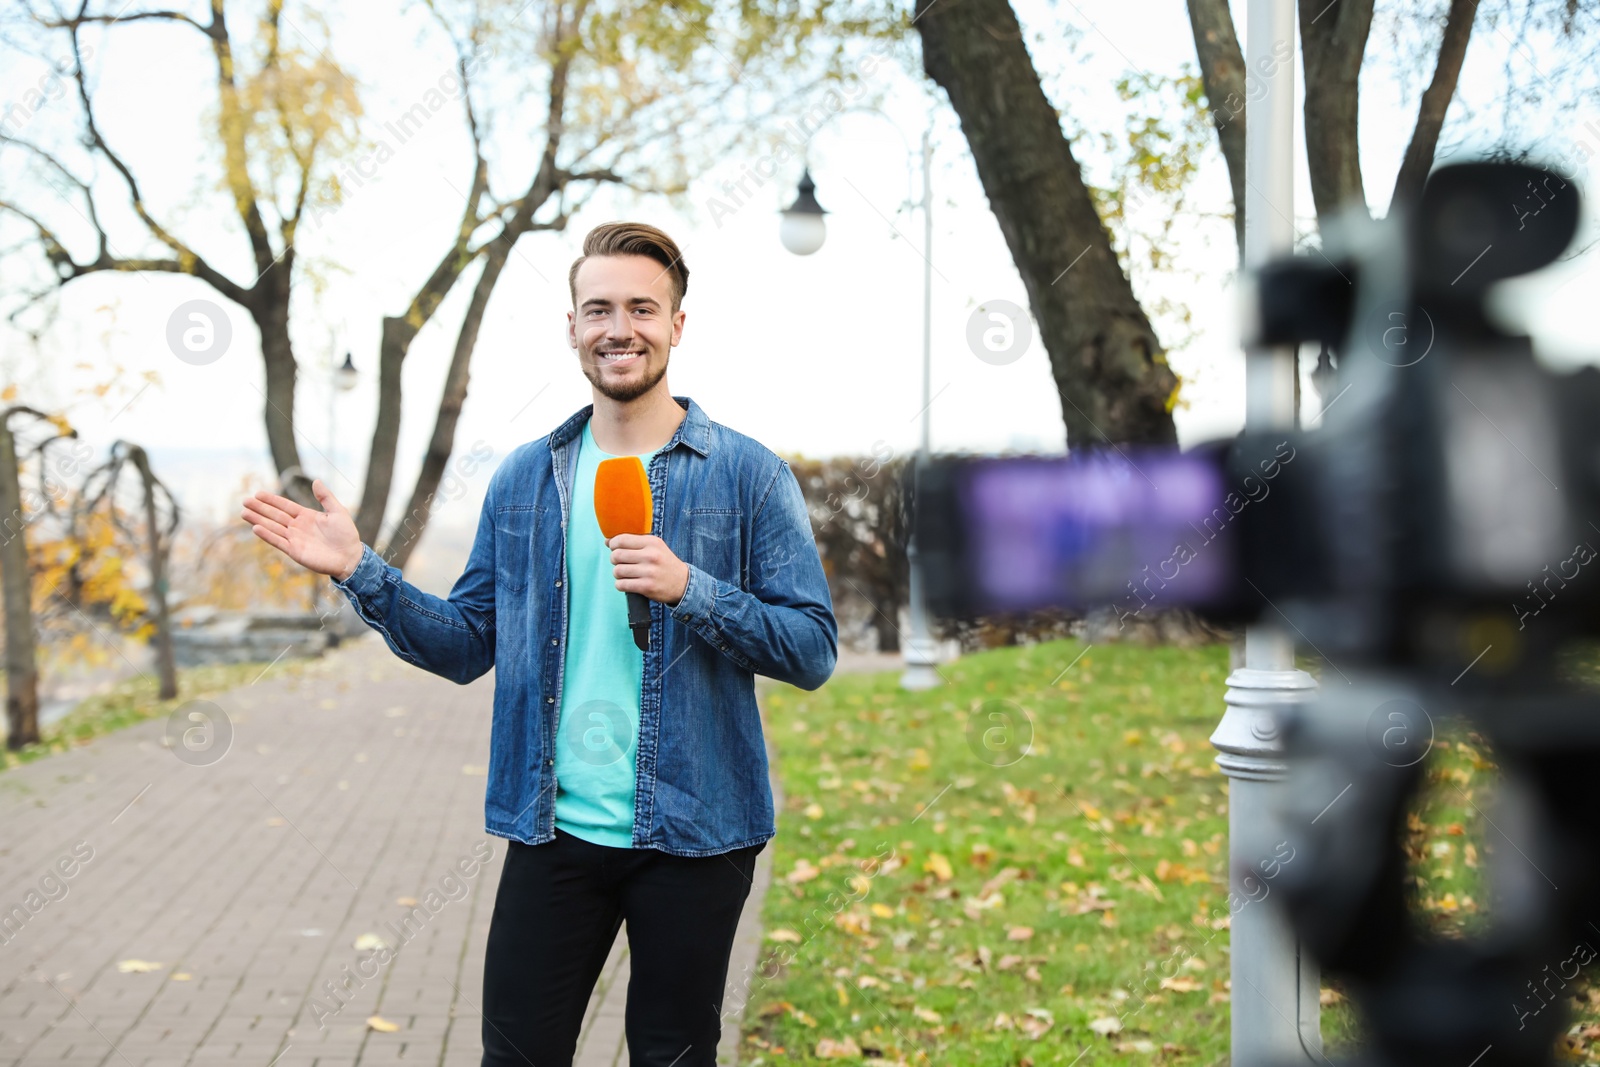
(556, 915)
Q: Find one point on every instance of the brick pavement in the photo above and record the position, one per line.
(247, 882)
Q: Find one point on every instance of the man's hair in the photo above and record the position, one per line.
(634, 239)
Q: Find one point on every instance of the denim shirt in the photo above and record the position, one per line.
(757, 602)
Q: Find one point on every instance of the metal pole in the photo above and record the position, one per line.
(1275, 1009)
(919, 650)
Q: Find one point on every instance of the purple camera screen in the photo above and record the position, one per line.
(1145, 529)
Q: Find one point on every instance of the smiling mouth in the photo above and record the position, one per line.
(615, 358)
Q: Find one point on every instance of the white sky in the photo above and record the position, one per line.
(819, 355)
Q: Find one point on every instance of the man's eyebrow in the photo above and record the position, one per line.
(600, 301)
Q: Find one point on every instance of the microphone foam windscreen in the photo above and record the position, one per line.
(622, 497)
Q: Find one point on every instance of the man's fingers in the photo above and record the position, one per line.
(277, 529)
(282, 503)
(266, 511)
(277, 541)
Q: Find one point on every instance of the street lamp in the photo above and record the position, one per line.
(802, 232)
(343, 378)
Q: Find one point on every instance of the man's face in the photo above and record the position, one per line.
(623, 326)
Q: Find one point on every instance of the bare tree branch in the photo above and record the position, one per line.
(1436, 101)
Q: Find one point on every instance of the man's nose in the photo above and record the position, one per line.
(619, 325)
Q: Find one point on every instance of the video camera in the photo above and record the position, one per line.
(1431, 539)
(1447, 498)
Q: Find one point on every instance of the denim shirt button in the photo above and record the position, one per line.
(549, 700)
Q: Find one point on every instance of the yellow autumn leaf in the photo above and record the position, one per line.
(137, 966)
(1180, 984)
(783, 935)
(940, 866)
(883, 911)
(843, 1048)
(804, 871)
(382, 1025)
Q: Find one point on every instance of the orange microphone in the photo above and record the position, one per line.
(622, 504)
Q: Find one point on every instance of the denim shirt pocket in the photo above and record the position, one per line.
(715, 542)
(514, 529)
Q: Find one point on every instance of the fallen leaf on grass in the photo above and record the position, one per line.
(1106, 1024)
(804, 871)
(940, 866)
(842, 1049)
(1036, 1022)
(783, 935)
(1136, 1046)
(927, 1015)
(1329, 997)
(1019, 933)
(1181, 984)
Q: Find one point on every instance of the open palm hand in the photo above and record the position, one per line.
(323, 541)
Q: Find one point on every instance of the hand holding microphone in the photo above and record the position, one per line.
(646, 569)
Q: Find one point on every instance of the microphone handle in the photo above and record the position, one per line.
(639, 620)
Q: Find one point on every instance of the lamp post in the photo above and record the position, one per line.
(803, 232)
(1275, 1008)
(342, 379)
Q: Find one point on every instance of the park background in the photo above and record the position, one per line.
(817, 356)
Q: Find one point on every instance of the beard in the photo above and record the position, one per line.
(623, 392)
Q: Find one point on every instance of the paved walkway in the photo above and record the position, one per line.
(157, 914)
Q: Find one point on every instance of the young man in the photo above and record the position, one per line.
(632, 785)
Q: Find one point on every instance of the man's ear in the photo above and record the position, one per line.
(677, 326)
(572, 330)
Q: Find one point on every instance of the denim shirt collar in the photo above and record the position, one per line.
(694, 430)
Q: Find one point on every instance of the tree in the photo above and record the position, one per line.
(625, 88)
(1105, 358)
(100, 492)
(16, 571)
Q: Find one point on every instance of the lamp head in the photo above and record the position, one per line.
(803, 230)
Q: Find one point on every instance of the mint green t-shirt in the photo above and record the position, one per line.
(597, 732)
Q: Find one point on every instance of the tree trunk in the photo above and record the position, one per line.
(1333, 40)
(392, 348)
(1435, 102)
(22, 671)
(1216, 45)
(1105, 358)
(166, 669)
(405, 536)
(277, 354)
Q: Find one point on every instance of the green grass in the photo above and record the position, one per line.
(135, 701)
(936, 899)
